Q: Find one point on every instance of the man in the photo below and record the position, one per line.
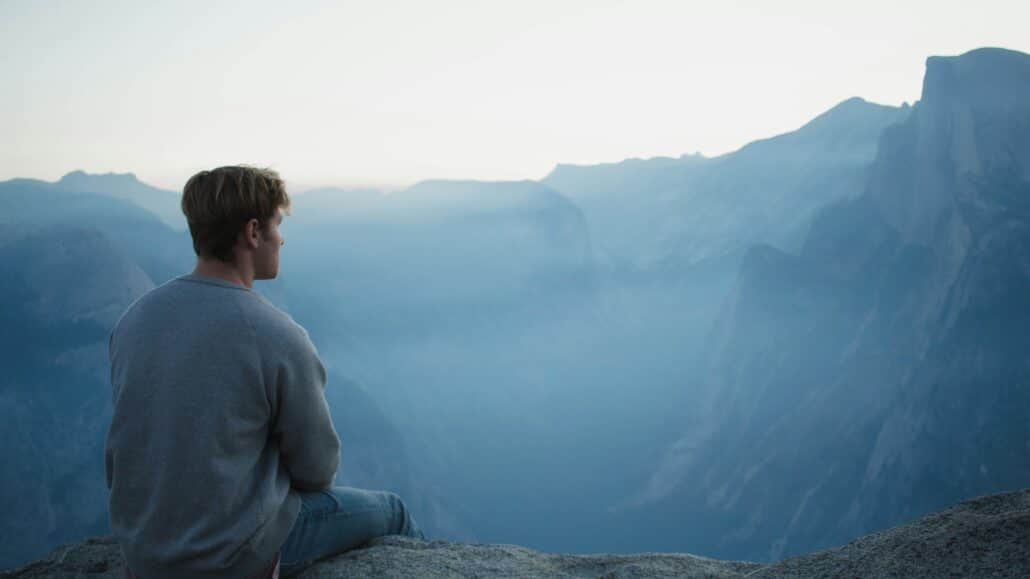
(221, 453)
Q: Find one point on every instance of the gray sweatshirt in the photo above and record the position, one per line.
(219, 419)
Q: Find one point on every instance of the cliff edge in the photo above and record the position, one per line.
(986, 536)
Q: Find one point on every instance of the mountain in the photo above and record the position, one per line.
(959, 426)
(38, 204)
(62, 290)
(880, 373)
(643, 213)
(72, 261)
(463, 250)
(162, 203)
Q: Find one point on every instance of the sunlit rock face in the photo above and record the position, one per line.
(881, 373)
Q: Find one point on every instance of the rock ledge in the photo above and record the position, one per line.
(984, 537)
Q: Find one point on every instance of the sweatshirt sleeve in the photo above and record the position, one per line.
(308, 443)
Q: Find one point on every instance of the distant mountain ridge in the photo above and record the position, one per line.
(691, 209)
(162, 203)
(880, 373)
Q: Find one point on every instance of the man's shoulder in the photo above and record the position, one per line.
(146, 304)
(178, 297)
(262, 308)
(178, 301)
(271, 321)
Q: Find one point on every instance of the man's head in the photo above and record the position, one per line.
(234, 214)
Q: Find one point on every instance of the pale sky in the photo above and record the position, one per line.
(393, 91)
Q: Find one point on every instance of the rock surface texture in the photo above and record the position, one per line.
(983, 537)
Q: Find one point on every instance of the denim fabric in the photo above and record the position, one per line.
(339, 519)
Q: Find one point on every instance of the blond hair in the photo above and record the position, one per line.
(219, 202)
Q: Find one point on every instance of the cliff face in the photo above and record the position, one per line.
(959, 425)
(881, 373)
(984, 537)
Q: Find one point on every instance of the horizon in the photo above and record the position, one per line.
(453, 91)
(386, 188)
(301, 188)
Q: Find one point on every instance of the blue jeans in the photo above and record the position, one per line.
(339, 519)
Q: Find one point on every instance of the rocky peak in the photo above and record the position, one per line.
(985, 78)
(969, 130)
(100, 183)
(162, 203)
(855, 118)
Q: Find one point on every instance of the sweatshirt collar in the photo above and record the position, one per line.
(212, 281)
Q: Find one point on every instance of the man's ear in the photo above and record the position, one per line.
(251, 232)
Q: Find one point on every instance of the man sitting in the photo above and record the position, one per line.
(222, 453)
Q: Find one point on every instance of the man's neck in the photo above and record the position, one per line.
(227, 271)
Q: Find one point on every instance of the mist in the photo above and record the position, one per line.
(744, 356)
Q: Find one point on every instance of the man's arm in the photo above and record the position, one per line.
(308, 443)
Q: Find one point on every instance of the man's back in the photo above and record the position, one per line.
(219, 409)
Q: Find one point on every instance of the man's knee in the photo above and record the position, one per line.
(395, 502)
(403, 523)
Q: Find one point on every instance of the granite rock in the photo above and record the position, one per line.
(983, 537)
